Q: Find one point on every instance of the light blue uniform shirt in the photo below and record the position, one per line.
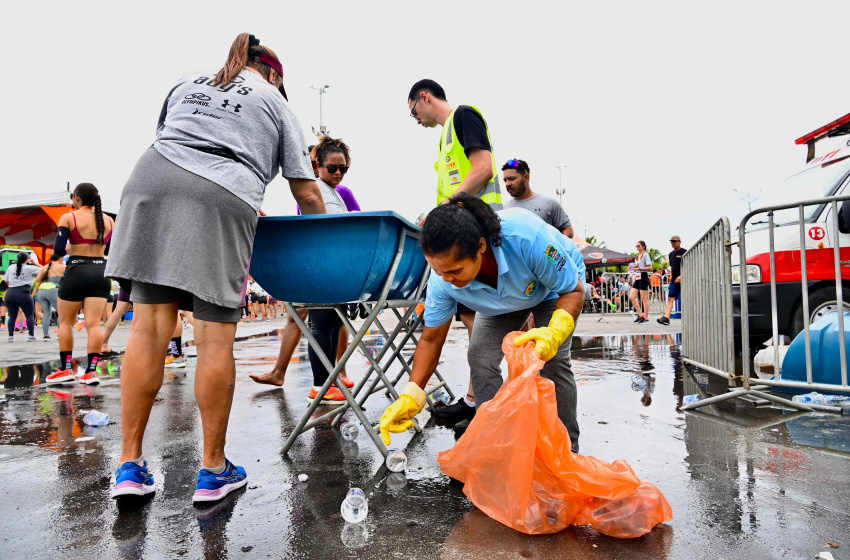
(535, 262)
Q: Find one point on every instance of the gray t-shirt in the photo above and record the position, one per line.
(236, 135)
(547, 208)
(27, 277)
(333, 202)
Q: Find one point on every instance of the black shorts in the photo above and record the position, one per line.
(462, 310)
(263, 300)
(84, 279)
(203, 310)
(642, 283)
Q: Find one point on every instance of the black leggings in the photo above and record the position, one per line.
(325, 325)
(17, 299)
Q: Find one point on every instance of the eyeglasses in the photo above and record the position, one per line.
(675, 241)
(413, 109)
(73, 195)
(334, 168)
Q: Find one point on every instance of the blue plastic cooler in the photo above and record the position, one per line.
(335, 258)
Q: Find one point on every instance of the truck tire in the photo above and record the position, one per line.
(821, 302)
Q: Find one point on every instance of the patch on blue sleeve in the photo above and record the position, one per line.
(555, 257)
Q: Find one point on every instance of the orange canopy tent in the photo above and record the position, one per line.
(31, 219)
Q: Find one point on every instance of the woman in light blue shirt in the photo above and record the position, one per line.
(504, 266)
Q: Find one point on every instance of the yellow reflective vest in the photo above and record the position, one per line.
(453, 166)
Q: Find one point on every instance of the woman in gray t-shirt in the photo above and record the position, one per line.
(20, 277)
(639, 295)
(184, 238)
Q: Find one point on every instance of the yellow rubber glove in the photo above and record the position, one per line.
(398, 417)
(549, 339)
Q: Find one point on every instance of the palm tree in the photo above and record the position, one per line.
(591, 240)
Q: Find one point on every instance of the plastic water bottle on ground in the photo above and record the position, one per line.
(355, 507)
(349, 431)
(302, 477)
(396, 460)
(691, 399)
(440, 396)
(817, 398)
(96, 418)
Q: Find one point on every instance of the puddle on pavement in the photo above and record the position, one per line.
(717, 462)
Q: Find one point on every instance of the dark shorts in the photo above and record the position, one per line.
(673, 290)
(84, 279)
(122, 296)
(642, 283)
(263, 300)
(110, 298)
(462, 310)
(203, 310)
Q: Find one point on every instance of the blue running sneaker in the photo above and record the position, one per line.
(212, 487)
(132, 480)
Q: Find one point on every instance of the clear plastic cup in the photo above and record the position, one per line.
(396, 460)
(355, 507)
(349, 431)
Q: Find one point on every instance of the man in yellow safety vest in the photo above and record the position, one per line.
(466, 163)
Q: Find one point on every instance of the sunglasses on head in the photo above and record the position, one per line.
(334, 168)
(675, 241)
(516, 164)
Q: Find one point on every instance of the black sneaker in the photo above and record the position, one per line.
(663, 320)
(460, 428)
(638, 320)
(642, 321)
(454, 413)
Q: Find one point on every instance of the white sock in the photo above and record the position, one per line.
(317, 388)
(469, 402)
(217, 470)
(140, 461)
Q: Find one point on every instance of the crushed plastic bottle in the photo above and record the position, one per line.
(817, 398)
(396, 460)
(302, 477)
(96, 418)
(691, 399)
(349, 431)
(440, 396)
(355, 507)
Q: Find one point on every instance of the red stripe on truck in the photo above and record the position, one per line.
(820, 265)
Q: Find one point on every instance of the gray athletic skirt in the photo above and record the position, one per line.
(178, 229)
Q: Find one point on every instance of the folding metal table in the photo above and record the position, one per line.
(329, 261)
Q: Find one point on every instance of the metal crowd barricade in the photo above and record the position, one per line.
(698, 341)
(407, 274)
(609, 292)
(804, 279)
(708, 330)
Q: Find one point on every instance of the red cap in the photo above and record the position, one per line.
(269, 60)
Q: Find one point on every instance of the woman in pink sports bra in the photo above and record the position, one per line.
(88, 230)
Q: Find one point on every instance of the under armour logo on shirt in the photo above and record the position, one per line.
(227, 104)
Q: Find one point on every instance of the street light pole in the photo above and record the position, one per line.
(560, 191)
(321, 90)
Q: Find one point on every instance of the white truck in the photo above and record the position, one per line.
(823, 176)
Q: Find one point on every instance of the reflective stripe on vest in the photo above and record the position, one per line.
(453, 166)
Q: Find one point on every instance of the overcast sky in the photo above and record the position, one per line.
(657, 109)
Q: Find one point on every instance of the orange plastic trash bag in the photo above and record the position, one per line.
(517, 467)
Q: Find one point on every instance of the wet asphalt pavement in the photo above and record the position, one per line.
(743, 481)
